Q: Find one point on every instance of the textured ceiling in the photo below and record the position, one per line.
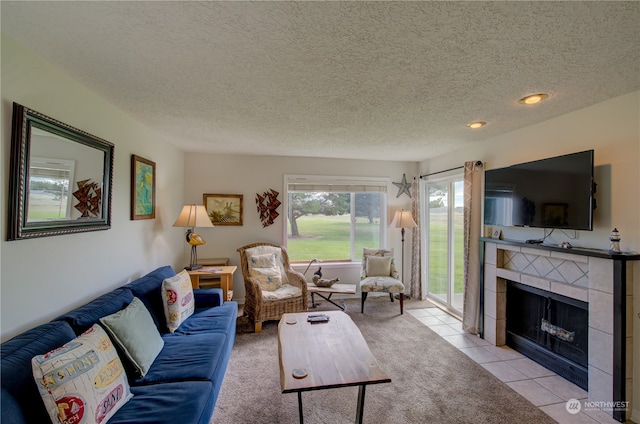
(369, 80)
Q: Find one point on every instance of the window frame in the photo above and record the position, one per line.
(377, 184)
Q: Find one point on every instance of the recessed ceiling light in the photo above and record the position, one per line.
(476, 124)
(532, 99)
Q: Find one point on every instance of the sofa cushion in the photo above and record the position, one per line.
(219, 319)
(149, 290)
(82, 318)
(177, 298)
(262, 250)
(189, 402)
(186, 357)
(378, 266)
(83, 380)
(16, 376)
(286, 291)
(134, 331)
(265, 269)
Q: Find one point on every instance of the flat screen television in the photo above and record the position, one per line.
(555, 192)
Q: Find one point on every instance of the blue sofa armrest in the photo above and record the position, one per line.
(207, 298)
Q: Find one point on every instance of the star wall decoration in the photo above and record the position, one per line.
(403, 187)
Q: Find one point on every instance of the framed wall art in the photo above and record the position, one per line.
(143, 188)
(224, 209)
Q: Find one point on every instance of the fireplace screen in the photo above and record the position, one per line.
(550, 328)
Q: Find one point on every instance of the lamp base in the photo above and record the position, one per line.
(192, 267)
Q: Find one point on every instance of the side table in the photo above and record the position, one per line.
(224, 272)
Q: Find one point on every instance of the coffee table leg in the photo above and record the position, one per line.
(300, 407)
(360, 410)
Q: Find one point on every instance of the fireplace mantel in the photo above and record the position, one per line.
(598, 277)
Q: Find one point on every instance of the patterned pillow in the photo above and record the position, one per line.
(177, 299)
(82, 381)
(378, 266)
(265, 269)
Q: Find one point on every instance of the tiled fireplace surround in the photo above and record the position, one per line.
(583, 276)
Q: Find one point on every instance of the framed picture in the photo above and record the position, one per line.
(224, 209)
(555, 214)
(143, 188)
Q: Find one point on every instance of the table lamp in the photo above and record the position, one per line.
(403, 219)
(193, 216)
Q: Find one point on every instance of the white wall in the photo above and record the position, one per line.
(42, 278)
(249, 175)
(612, 128)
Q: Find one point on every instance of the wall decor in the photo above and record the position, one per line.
(89, 195)
(46, 156)
(224, 209)
(403, 187)
(267, 203)
(143, 188)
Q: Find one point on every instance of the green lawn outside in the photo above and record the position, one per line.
(327, 238)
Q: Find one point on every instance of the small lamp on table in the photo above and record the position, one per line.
(193, 216)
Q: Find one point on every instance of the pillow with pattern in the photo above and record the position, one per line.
(82, 381)
(265, 269)
(177, 299)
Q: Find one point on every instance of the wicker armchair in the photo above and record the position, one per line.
(262, 305)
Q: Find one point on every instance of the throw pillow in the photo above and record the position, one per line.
(265, 269)
(378, 266)
(82, 381)
(134, 331)
(177, 299)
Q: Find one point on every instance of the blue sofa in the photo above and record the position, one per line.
(183, 382)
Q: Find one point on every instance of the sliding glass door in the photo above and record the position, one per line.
(443, 241)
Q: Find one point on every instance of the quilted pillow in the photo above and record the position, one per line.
(82, 381)
(134, 331)
(177, 299)
(265, 269)
(378, 266)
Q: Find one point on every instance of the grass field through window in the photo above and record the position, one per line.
(327, 238)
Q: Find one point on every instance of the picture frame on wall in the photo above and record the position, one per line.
(143, 188)
(224, 209)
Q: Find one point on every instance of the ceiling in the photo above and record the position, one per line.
(366, 80)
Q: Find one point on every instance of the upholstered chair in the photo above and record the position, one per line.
(272, 287)
(379, 274)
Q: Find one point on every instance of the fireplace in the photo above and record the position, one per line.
(564, 282)
(551, 329)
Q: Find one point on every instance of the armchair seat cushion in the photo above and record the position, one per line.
(285, 291)
(381, 284)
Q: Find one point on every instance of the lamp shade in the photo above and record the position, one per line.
(403, 219)
(193, 216)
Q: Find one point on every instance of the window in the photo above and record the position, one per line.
(49, 181)
(334, 218)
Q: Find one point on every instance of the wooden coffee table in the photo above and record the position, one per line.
(325, 356)
(328, 291)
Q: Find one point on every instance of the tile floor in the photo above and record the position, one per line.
(540, 386)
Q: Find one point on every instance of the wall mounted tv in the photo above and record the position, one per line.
(550, 193)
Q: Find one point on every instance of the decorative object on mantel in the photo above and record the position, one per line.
(267, 203)
(143, 188)
(193, 216)
(615, 241)
(89, 196)
(403, 186)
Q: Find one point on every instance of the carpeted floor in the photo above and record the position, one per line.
(432, 381)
